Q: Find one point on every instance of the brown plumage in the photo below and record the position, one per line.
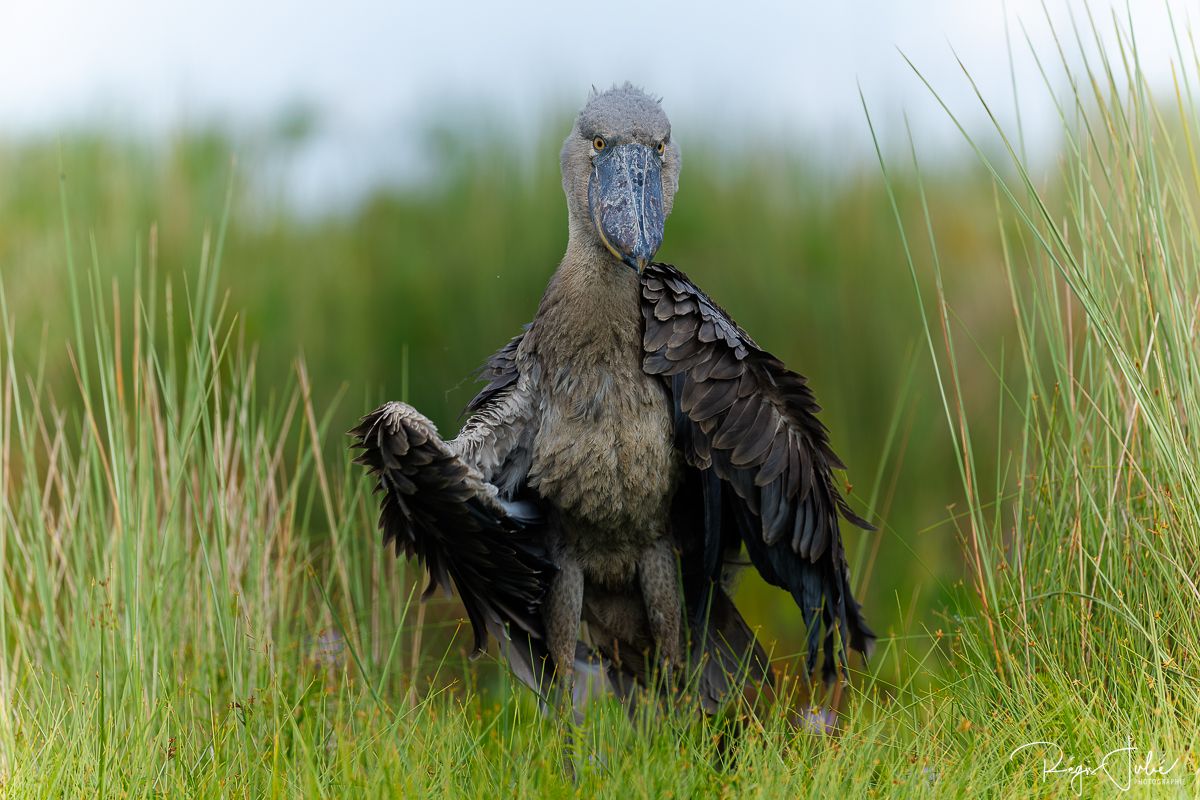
(626, 446)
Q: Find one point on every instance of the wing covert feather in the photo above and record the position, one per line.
(753, 423)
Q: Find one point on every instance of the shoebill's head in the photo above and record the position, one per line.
(620, 170)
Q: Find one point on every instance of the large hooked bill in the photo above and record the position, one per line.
(625, 199)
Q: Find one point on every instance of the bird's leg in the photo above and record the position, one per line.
(564, 609)
(660, 593)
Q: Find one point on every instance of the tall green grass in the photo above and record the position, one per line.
(1084, 551)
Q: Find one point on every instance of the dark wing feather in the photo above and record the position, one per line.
(742, 416)
(436, 508)
(500, 372)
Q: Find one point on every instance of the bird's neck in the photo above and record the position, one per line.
(591, 307)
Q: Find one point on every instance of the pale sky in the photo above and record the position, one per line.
(378, 72)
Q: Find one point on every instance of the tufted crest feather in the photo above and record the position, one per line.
(626, 109)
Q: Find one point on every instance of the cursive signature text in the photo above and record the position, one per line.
(1121, 766)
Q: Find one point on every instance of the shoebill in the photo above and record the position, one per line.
(627, 447)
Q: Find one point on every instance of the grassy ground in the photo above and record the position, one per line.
(194, 601)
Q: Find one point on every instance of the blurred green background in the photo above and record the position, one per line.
(805, 257)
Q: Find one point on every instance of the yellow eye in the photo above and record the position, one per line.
(662, 147)
(599, 143)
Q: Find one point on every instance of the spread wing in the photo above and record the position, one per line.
(749, 426)
(497, 436)
(436, 507)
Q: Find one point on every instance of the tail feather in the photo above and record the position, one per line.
(731, 658)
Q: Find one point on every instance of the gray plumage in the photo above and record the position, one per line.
(646, 439)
